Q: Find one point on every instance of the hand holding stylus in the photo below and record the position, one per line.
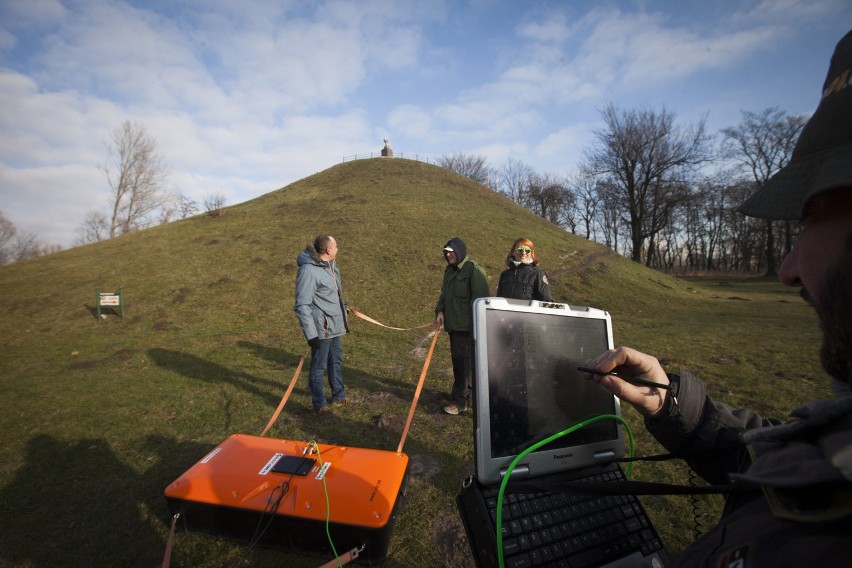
(639, 381)
(629, 379)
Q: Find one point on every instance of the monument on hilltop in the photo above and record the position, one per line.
(387, 151)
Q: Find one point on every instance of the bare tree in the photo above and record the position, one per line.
(610, 220)
(15, 245)
(27, 246)
(169, 209)
(136, 174)
(214, 203)
(647, 161)
(586, 201)
(763, 143)
(93, 229)
(549, 196)
(7, 233)
(513, 179)
(468, 165)
(188, 207)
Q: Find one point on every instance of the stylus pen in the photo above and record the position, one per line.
(629, 379)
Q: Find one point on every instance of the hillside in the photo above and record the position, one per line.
(99, 416)
(390, 218)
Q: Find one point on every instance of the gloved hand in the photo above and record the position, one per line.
(314, 342)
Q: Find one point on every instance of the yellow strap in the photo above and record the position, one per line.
(419, 387)
(286, 396)
(371, 320)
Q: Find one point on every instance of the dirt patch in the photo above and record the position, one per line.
(380, 398)
(181, 296)
(122, 355)
(392, 422)
(423, 467)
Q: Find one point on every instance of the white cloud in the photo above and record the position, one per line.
(42, 201)
(245, 97)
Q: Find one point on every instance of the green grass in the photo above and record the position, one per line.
(98, 417)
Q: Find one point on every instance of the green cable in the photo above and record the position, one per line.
(536, 446)
(327, 506)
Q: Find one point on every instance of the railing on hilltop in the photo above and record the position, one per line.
(395, 155)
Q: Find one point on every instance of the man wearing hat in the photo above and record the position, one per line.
(793, 500)
(464, 281)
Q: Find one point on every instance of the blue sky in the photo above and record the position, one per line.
(246, 97)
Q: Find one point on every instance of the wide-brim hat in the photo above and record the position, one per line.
(822, 158)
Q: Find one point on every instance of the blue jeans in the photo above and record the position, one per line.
(329, 357)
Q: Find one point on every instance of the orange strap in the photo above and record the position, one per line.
(371, 320)
(345, 559)
(167, 558)
(286, 396)
(419, 388)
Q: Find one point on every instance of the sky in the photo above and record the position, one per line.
(245, 97)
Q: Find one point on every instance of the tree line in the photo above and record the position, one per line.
(654, 191)
(662, 194)
(16, 245)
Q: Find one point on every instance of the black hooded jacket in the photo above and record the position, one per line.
(524, 282)
(463, 283)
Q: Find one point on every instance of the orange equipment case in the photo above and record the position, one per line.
(231, 492)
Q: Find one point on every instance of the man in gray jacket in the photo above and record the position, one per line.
(796, 506)
(322, 316)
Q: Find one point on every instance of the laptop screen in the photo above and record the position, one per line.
(528, 386)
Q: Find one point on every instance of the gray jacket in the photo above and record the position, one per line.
(319, 297)
(799, 512)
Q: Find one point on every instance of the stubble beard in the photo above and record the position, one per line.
(835, 313)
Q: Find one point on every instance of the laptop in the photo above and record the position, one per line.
(527, 389)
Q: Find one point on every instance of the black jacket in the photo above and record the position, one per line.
(801, 513)
(524, 282)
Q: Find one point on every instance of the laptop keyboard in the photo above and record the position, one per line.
(571, 530)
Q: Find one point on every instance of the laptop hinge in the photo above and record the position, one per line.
(521, 471)
(602, 458)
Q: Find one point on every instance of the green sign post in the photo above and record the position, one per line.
(113, 301)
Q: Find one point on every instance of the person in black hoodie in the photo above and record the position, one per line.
(523, 280)
(464, 281)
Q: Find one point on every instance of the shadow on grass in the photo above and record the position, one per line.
(78, 504)
(197, 368)
(351, 377)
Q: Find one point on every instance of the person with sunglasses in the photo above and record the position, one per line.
(524, 280)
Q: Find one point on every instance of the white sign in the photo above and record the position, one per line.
(109, 299)
(270, 464)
